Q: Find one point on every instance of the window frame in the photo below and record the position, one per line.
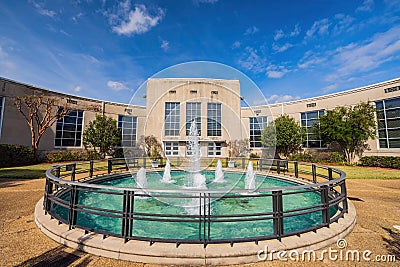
(134, 121)
(76, 131)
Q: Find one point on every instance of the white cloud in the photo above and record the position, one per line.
(343, 23)
(116, 86)
(366, 55)
(367, 5)
(282, 48)
(276, 72)
(278, 35)
(251, 30)
(165, 45)
(311, 59)
(319, 27)
(42, 11)
(281, 98)
(296, 31)
(77, 89)
(137, 21)
(252, 61)
(77, 17)
(236, 45)
(330, 88)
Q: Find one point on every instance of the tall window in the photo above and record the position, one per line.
(193, 112)
(309, 120)
(1, 112)
(128, 126)
(172, 118)
(214, 119)
(257, 124)
(69, 130)
(388, 113)
(171, 148)
(214, 149)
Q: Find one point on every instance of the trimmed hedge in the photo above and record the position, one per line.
(15, 155)
(70, 155)
(381, 161)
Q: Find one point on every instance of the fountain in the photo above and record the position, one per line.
(219, 174)
(196, 179)
(167, 174)
(250, 180)
(141, 180)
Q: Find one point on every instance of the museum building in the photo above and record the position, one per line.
(216, 106)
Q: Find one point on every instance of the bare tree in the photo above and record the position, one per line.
(41, 112)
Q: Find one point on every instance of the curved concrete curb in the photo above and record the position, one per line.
(189, 254)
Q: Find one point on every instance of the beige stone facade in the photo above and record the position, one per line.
(216, 102)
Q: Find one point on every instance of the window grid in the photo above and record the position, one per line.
(214, 119)
(257, 124)
(388, 116)
(214, 149)
(171, 148)
(309, 120)
(172, 119)
(193, 112)
(128, 126)
(69, 130)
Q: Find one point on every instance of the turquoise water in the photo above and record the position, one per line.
(244, 204)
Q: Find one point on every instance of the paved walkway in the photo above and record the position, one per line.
(22, 244)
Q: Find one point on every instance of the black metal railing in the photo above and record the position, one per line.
(66, 183)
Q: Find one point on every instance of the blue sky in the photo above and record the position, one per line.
(290, 49)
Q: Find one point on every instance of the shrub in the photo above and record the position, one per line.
(71, 155)
(336, 157)
(380, 161)
(254, 156)
(16, 155)
(304, 157)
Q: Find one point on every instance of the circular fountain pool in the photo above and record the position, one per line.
(253, 208)
(288, 200)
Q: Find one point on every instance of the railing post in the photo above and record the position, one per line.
(296, 169)
(278, 166)
(127, 215)
(58, 174)
(73, 201)
(243, 163)
(91, 169)
(330, 173)
(277, 206)
(144, 162)
(260, 164)
(73, 171)
(58, 171)
(48, 192)
(325, 205)
(344, 192)
(314, 173)
(109, 166)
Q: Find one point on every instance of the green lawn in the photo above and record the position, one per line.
(352, 172)
(357, 172)
(26, 172)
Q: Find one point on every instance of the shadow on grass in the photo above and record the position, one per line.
(392, 243)
(56, 257)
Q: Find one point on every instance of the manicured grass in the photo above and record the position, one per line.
(25, 172)
(352, 172)
(358, 172)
